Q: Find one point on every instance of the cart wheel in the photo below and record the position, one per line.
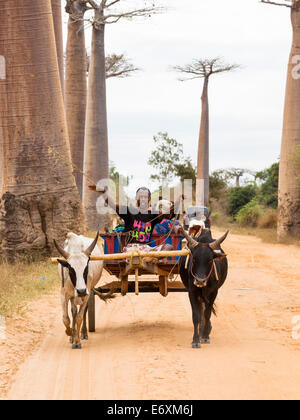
(91, 312)
(163, 285)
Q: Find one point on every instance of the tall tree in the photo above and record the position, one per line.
(289, 183)
(77, 69)
(58, 30)
(96, 161)
(76, 85)
(40, 200)
(204, 69)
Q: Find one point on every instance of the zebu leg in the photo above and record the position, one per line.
(74, 315)
(196, 320)
(79, 318)
(66, 319)
(207, 315)
(84, 332)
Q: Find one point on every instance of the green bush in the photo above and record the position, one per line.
(249, 214)
(239, 197)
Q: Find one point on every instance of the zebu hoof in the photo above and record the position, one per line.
(196, 345)
(76, 346)
(84, 337)
(205, 340)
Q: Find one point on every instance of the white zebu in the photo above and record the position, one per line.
(79, 276)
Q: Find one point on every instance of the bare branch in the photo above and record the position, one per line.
(118, 66)
(292, 3)
(112, 3)
(204, 68)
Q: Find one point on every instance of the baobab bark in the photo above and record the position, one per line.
(58, 30)
(289, 183)
(96, 139)
(202, 193)
(76, 88)
(40, 201)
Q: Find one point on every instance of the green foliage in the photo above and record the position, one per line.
(217, 185)
(186, 170)
(239, 197)
(268, 193)
(249, 214)
(167, 154)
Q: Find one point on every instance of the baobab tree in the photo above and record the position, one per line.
(39, 200)
(237, 174)
(57, 20)
(204, 69)
(76, 85)
(77, 69)
(289, 183)
(96, 161)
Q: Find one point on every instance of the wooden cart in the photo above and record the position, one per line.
(123, 265)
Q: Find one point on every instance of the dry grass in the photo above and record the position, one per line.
(21, 282)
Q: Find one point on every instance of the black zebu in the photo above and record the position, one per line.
(206, 272)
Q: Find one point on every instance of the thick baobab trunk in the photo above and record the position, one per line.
(40, 201)
(289, 182)
(202, 193)
(96, 143)
(57, 20)
(76, 90)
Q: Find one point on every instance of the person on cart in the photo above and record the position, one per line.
(140, 220)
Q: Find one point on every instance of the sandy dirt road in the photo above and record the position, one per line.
(142, 346)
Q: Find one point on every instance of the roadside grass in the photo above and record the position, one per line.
(24, 282)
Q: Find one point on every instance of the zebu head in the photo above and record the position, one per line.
(78, 267)
(201, 263)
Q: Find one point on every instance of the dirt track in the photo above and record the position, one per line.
(142, 347)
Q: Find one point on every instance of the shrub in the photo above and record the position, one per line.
(268, 219)
(249, 214)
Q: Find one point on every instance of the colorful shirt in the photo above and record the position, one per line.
(141, 224)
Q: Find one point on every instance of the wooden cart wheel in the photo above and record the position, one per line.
(163, 285)
(91, 312)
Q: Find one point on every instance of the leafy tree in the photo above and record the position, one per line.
(167, 154)
(239, 197)
(217, 184)
(268, 194)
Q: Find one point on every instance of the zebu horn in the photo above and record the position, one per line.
(61, 251)
(91, 248)
(190, 240)
(217, 243)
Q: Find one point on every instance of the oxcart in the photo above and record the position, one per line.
(122, 265)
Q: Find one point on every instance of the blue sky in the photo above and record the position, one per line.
(246, 107)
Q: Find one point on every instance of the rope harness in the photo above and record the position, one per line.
(198, 279)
